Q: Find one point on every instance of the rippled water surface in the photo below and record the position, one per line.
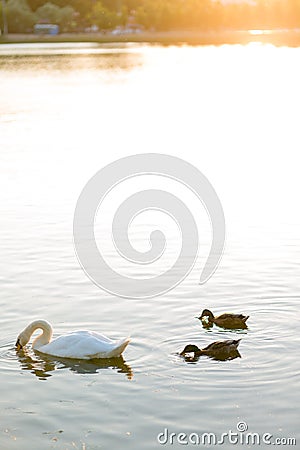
(65, 112)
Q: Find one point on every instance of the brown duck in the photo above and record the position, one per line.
(215, 349)
(227, 320)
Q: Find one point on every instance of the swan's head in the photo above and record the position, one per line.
(22, 340)
(26, 334)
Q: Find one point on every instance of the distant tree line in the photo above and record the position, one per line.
(78, 15)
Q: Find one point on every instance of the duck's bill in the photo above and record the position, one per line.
(186, 354)
(204, 319)
(18, 345)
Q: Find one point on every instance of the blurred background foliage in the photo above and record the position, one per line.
(89, 15)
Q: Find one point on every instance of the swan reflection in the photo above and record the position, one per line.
(42, 365)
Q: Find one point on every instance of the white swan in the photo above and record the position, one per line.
(80, 344)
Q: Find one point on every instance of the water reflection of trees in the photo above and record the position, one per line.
(42, 365)
(106, 64)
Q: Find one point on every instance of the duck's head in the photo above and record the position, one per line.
(190, 349)
(206, 313)
(22, 340)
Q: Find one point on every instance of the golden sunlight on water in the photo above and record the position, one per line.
(65, 112)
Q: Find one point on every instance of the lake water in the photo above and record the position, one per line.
(67, 111)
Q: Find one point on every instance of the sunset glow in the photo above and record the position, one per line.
(73, 16)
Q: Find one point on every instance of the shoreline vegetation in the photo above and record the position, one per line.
(289, 38)
(170, 22)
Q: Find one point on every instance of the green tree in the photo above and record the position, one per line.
(35, 4)
(67, 20)
(20, 18)
(103, 17)
(2, 17)
(51, 13)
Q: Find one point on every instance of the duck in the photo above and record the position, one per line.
(80, 344)
(218, 349)
(227, 320)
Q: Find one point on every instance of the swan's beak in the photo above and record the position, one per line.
(18, 345)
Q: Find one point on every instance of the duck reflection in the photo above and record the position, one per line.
(42, 365)
(209, 325)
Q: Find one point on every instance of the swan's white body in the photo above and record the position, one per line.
(81, 344)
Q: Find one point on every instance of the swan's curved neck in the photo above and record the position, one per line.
(43, 338)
